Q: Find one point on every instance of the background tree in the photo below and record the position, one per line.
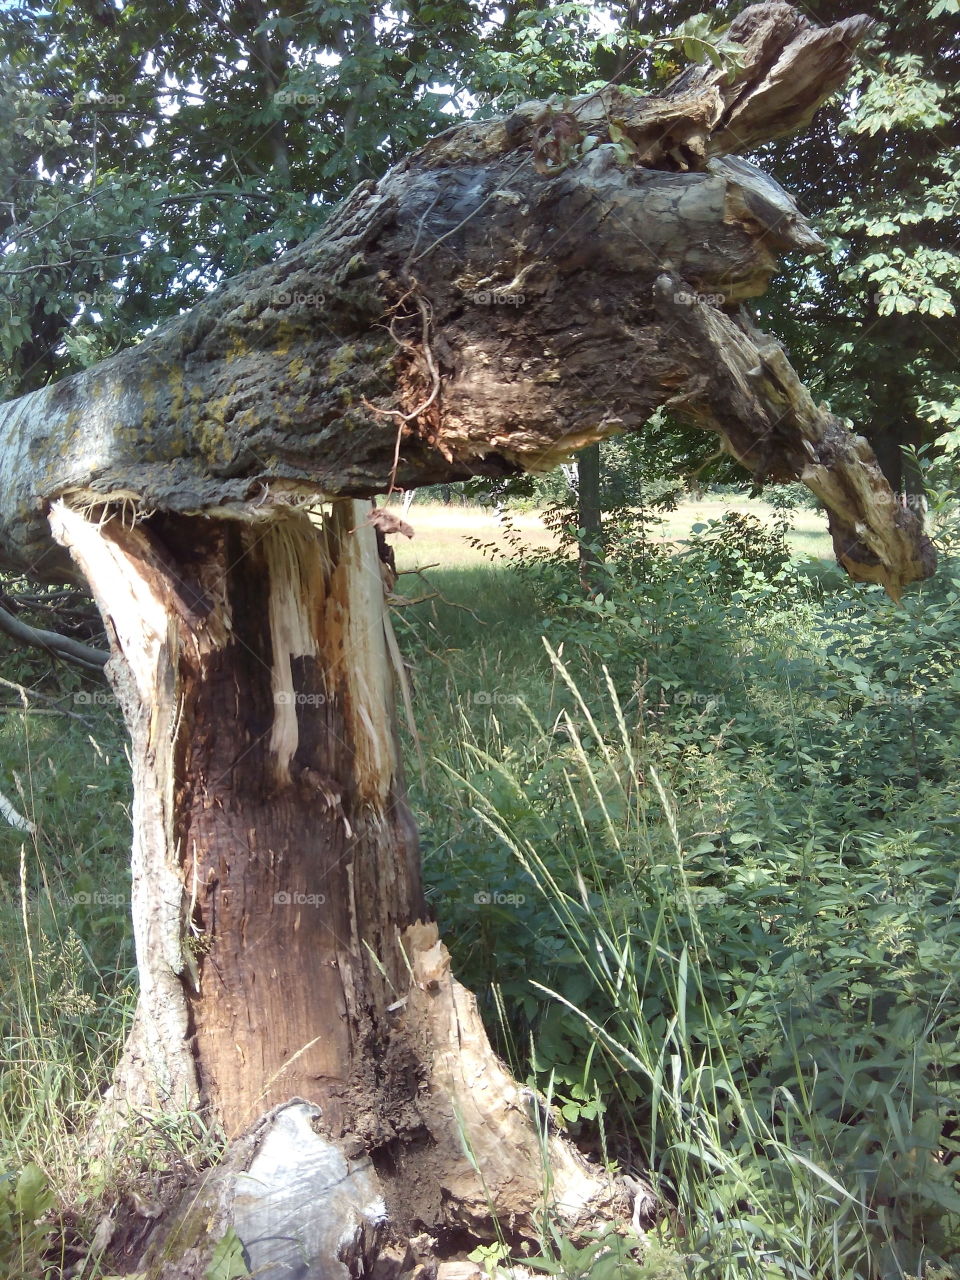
(156, 152)
(889, 214)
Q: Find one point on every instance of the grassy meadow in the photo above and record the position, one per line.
(441, 532)
(695, 847)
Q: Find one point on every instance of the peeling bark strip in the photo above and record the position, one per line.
(517, 289)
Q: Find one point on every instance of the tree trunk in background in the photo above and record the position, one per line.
(589, 518)
(888, 437)
(268, 56)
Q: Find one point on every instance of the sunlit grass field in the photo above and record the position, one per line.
(730, 886)
(442, 533)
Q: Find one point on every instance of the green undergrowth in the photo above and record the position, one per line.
(698, 858)
(66, 957)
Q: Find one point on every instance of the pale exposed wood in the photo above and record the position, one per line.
(745, 389)
(364, 665)
(292, 635)
(11, 814)
(500, 1145)
(123, 576)
(790, 67)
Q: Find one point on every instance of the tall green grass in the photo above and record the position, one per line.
(66, 957)
(748, 1168)
(699, 863)
(67, 981)
(713, 904)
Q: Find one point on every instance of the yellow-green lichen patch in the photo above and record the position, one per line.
(147, 408)
(49, 463)
(248, 421)
(341, 360)
(237, 350)
(177, 390)
(210, 434)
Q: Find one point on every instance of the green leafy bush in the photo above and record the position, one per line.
(737, 549)
(25, 1201)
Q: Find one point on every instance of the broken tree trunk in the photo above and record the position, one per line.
(512, 292)
(516, 290)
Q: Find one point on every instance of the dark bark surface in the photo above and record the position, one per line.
(517, 289)
(589, 516)
(300, 853)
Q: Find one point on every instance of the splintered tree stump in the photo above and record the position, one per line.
(271, 831)
(514, 291)
(278, 908)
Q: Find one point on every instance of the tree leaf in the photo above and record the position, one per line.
(228, 1261)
